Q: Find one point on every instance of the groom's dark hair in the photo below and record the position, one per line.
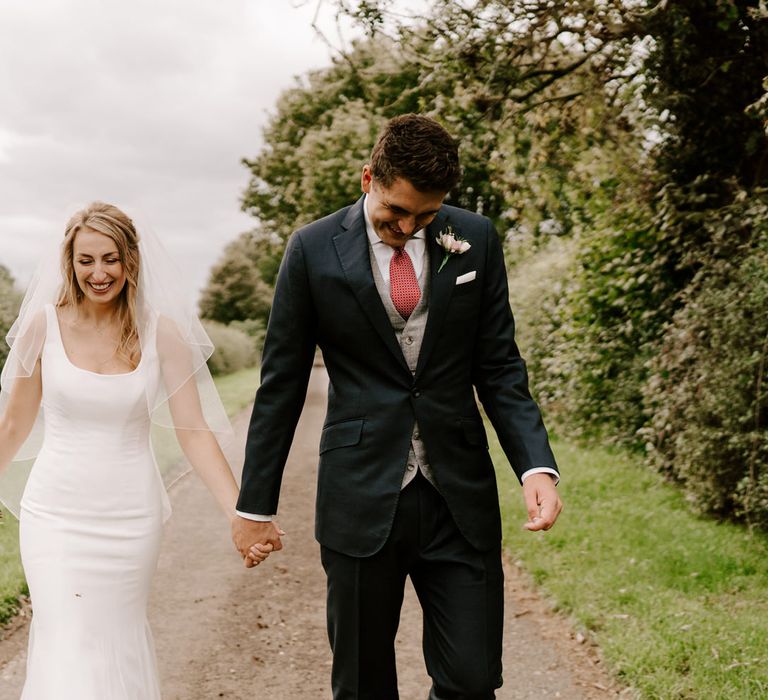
(418, 149)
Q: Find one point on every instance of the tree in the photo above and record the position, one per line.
(241, 283)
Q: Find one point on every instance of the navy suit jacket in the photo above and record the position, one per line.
(325, 295)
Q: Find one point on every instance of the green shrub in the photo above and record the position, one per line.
(708, 393)
(540, 284)
(240, 285)
(253, 327)
(10, 300)
(235, 349)
(616, 312)
(590, 310)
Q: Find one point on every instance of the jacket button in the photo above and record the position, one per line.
(416, 393)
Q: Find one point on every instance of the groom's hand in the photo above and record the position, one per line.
(542, 501)
(246, 533)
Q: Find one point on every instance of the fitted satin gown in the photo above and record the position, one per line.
(90, 526)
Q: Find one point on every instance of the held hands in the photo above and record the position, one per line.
(542, 501)
(257, 554)
(255, 540)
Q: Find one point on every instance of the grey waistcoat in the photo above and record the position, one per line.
(409, 335)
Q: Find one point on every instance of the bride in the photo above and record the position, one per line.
(106, 346)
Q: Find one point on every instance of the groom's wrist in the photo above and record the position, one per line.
(255, 516)
(540, 470)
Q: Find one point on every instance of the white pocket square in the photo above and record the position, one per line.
(468, 277)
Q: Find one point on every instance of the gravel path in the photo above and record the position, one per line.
(226, 632)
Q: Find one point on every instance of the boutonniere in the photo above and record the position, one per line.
(452, 244)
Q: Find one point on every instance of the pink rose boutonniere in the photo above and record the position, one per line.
(452, 244)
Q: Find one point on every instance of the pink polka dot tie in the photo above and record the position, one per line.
(403, 285)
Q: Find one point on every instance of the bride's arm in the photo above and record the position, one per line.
(22, 374)
(195, 437)
(19, 416)
(204, 454)
(193, 432)
(201, 447)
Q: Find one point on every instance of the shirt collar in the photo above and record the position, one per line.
(373, 237)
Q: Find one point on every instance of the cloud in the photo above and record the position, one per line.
(149, 104)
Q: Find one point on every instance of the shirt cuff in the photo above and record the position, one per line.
(541, 470)
(255, 516)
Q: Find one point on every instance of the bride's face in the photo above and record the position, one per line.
(98, 268)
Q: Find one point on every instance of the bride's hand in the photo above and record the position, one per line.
(258, 553)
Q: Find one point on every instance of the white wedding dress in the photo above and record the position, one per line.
(90, 526)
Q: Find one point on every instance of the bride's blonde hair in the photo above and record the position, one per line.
(110, 221)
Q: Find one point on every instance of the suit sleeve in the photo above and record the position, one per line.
(500, 375)
(289, 349)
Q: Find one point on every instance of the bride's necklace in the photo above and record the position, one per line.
(102, 332)
(99, 329)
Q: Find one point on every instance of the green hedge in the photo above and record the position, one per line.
(10, 300)
(235, 349)
(708, 395)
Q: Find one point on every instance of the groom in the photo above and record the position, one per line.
(409, 331)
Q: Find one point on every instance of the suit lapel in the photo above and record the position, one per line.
(352, 248)
(441, 288)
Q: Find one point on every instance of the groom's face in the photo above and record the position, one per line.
(400, 210)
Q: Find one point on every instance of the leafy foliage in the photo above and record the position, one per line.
(235, 349)
(10, 300)
(647, 231)
(241, 282)
(707, 67)
(708, 395)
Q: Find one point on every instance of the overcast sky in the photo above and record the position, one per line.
(148, 104)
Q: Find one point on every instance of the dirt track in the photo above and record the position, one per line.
(226, 632)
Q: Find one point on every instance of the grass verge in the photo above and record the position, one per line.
(676, 602)
(12, 583)
(236, 390)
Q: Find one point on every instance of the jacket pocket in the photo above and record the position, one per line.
(344, 434)
(474, 432)
(461, 290)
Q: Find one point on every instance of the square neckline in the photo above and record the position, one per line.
(56, 323)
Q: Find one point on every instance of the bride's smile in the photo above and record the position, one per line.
(100, 288)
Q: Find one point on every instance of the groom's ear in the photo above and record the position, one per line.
(366, 179)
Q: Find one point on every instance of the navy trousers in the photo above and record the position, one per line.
(461, 594)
